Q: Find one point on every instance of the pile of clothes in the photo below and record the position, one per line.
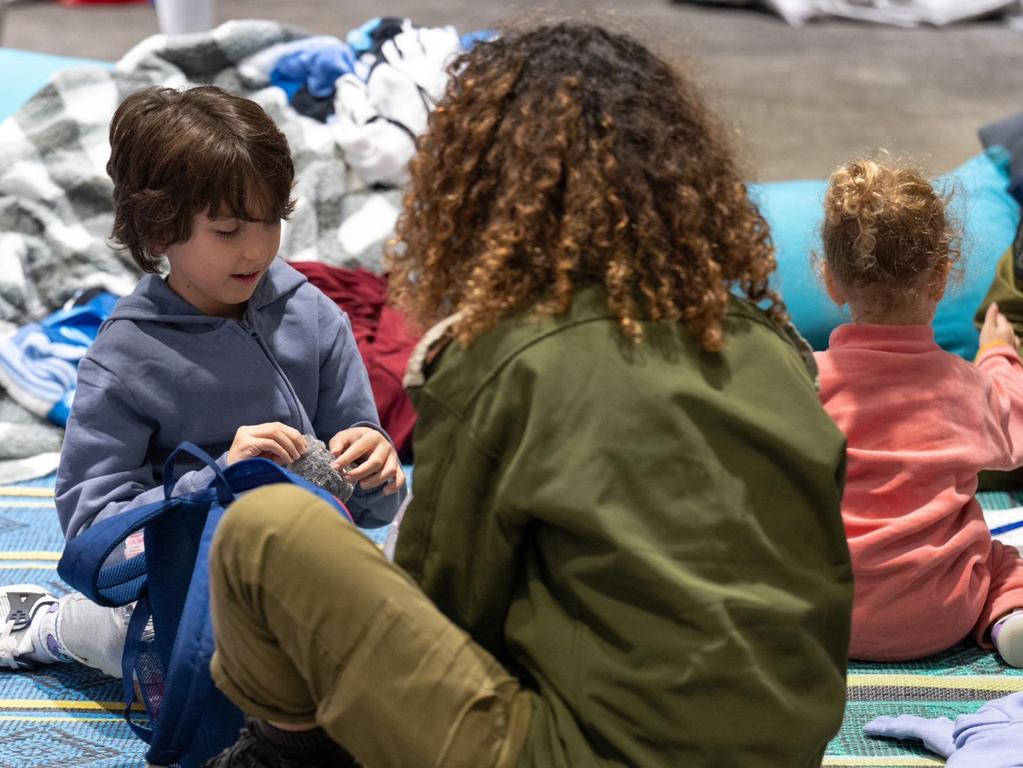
(375, 89)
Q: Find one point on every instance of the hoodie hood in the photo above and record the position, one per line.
(154, 300)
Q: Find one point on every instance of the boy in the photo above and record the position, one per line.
(234, 350)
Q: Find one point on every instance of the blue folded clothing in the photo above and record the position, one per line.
(39, 362)
(317, 68)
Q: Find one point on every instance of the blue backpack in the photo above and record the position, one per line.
(190, 720)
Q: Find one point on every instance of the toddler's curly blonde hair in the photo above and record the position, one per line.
(887, 234)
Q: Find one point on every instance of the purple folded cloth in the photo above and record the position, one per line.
(992, 737)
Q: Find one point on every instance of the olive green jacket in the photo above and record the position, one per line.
(648, 537)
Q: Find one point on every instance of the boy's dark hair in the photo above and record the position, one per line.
(568, 155)
(176, 153)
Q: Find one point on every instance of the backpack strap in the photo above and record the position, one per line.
(170, 478)
(84, 562)
(132, 646)
(189, 691)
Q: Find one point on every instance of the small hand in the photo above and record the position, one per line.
(997, 328)
(275, 441)
(378, 462)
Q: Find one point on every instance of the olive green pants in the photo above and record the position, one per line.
(1005, 291)
(313, 623)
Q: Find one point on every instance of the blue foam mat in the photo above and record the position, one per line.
(26, 72)
(65, 713)
(68, 714)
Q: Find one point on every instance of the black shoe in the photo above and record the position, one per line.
(255, 750)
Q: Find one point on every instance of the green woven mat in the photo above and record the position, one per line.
(952, 683)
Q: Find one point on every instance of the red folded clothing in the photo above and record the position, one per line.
(384, 339)
(103, 2)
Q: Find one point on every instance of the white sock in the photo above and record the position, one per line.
(92, 634)
(1007, 636)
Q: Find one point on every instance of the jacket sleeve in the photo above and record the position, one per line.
(1004, 428)
(345, 400)
(104, 469)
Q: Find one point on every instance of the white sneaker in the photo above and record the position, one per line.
(28, 634)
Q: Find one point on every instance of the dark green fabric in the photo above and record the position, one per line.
(649, 537)
(1005, 291)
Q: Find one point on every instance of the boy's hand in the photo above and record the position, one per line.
(379, 463)
(997, 329)
(275, 441)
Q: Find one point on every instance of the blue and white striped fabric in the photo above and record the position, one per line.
(39, 362)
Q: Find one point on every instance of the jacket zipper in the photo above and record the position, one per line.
(297, 409)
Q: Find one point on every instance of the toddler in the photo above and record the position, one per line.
(921, 423)
(232, 350)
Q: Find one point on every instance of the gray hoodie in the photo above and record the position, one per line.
(161, 372)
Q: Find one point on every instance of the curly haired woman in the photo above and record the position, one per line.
(625, 546)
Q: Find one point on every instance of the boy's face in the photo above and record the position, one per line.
(218, 268)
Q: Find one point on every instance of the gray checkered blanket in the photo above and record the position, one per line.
(55, 196)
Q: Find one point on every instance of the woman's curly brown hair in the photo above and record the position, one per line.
(885, 232)
(569, 155)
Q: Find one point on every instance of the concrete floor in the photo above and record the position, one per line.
(802, 100)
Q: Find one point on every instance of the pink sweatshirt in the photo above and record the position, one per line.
(921, 423)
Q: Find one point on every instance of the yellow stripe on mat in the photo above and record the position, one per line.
(75, 706)
(13, 490)
(26, 567)
(29, 555)
(954, 682)
(41, 719)
(856, 762)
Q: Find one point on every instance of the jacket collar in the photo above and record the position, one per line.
(153, 299)
(590, 304)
